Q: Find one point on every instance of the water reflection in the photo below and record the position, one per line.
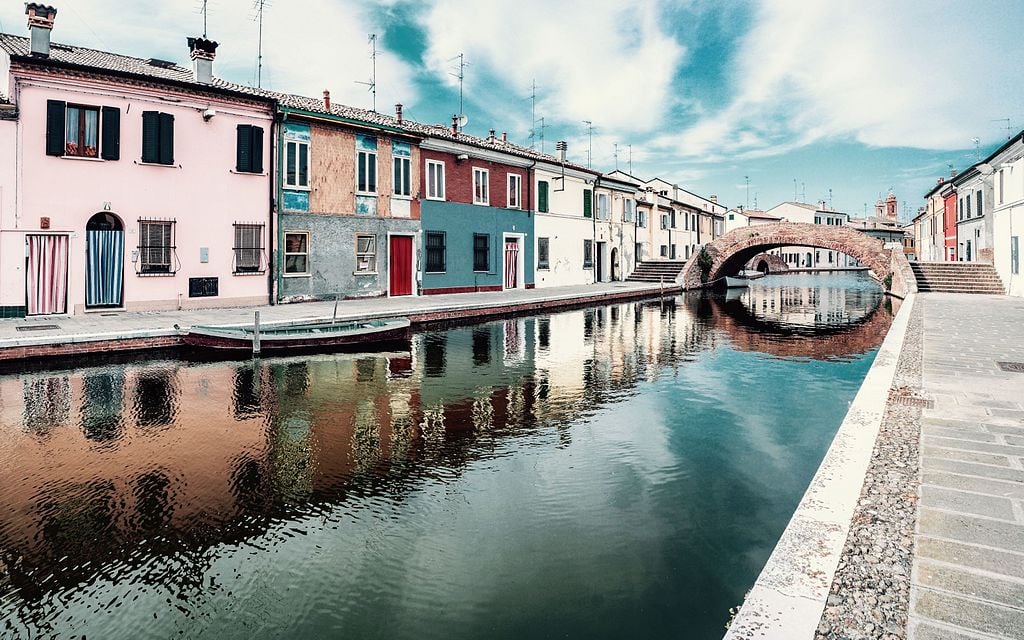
(209, 463)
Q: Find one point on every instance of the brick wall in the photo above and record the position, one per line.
(459, 179)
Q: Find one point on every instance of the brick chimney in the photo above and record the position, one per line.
(202, 52)
(327, 100)
(490, 138)
(504, 136)
(455, 125)
(40, 24)
(713, 199)
(398, 112)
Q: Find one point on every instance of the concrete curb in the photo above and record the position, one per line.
(789, 596)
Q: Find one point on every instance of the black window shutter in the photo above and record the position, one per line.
(150, 136)
(55, 114)
(257, 150)
(166, 138)
(243, 152)
(111, 144)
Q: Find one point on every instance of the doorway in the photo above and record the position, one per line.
(400, 266)
(513, 263)
(968, 253)
(46, 275)
(599, 266)
(104, 261)
(615, 264)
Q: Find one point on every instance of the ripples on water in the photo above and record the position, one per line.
(608, 472)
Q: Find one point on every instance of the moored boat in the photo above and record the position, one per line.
(314, 335)
(742, 279)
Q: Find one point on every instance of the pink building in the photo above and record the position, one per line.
(128, 183)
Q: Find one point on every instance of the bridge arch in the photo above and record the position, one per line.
(726, 255)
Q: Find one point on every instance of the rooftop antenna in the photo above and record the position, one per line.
(803, 192)
(590, 142)
(461, 75)
(755, 201)
(747, 179)
(202, 11)
(1008, 127)
(533, 115)
(542, 128)
(795, 192)
(629, 147)
(977, 148)
(258, 6)
(830, 198)
(615, 154)
(372, 84)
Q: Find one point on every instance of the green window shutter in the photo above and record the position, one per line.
(243, 150)
(257, 150)
(111, 143)
(166, 138)
(150, 136)
(55, 113)
(588, 203)
(542, 196)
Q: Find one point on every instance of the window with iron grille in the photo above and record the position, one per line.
(543, 253)
(156, 246)
(366, 253)
(435, 252)
(481, 252)
(248, 248)
(588, 254)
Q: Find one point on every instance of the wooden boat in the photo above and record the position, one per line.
(742, 279)
(314, 335)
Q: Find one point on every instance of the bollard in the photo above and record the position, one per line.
(661, 286)
(334, 318)
(256, 335)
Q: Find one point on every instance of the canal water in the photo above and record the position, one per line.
(619, 471)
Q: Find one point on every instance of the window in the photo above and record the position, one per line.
(248, 248)
(686, 222)
(435, 180)
(603, 208)
(672, 252)
(82, 127)
(366, 253)
(693, 224)
(515, 191)
(296, 253)
(366, 164)
(157, 137)
(641, 218)
(481, 252)
(977, 201)
(664, 221)
(588, 203)
(156, 245)
(542, 196)
(435, 252)
(249, 149)
(687, 252)
(664, 251)
(481, 178)
(543, 248)
(960, 209)
(588, 254)
(296, 164)
(628, 210)
(732, 216)
(638, 248)
(1002, 181)
(967, 210)
(403, 179)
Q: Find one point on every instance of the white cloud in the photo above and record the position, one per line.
(600, 61)
(879, 72)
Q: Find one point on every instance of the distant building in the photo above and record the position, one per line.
(810, 257)
(736, 218)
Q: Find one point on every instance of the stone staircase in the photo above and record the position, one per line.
(657, 271)
(957, 277)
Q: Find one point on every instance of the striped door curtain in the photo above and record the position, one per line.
(47, 276)
(511, 264)
(104, 277)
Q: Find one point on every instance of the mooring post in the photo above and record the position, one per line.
(256, 335)
(334, 318)
(661, 286)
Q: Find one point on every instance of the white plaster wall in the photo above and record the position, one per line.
(1008, 220)
(565, 249)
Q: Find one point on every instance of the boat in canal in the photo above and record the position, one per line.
(310, 336)
(742, 279)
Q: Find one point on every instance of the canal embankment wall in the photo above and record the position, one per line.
(790, 594)
(41, 338)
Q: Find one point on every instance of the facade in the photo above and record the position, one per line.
(949, 213)
(931, 240)
(810, 257)
(349, 205)
(909, 241)
(140, 184)
(974, 216)
(1007, 167)
(565, 225)
(689, 221)
(614, 229)
(736, 218)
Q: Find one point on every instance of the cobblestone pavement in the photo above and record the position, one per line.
(968, 573)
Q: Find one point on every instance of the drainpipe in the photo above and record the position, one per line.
(278, 259)
(531, 213)
(272, 173)
(593, 220)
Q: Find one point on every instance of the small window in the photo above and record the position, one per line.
(542, 196)
(603, 207)
(664, 251)
(588, 254)
(366, 171)
(82, 132)
(977, 201)
(481, 252)
(366, 254)
(672, 252)
(156, 246)
(249, 149)
(628, 210)
(481, 193)
(515, 191)
(296, 253)
(664, 221)
(248, 248)
(402, 183)
(967, 209)
(296, 164)
(157, 137)
(543, 248)
(435, 252)
(641, 218)
(435, 180)
(638, 250)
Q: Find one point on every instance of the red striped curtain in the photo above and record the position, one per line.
(511, 264)
(47, 277)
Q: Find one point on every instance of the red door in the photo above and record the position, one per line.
(400, 266)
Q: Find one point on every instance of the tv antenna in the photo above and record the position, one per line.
(977, 148)
(795, 192)
(542, 128)
(461, 75)
(258, 7)
(830, 198)
(590, 141)
(533, 115)
(629, 150)
(803, 192)
(203, 9)
(615, 154)
(1008, 127)
(747, 179)
(372, 84)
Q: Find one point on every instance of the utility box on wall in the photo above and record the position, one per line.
(203, 287)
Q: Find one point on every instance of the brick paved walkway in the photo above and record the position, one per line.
(968, 577)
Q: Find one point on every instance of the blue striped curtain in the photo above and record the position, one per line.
(105, 275)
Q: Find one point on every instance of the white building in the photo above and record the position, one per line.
(736, 218)
(974, 215)
(565, 226)
(615, 218)
(811, 257)
(1007, 167)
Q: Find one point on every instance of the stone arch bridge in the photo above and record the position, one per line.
(726, 255)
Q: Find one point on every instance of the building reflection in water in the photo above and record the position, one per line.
(207, 453)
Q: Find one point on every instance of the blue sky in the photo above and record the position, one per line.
(852, 97)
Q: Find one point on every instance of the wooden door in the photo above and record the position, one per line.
(400, 266)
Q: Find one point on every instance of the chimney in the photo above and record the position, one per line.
(490, 138)
(40, 24)
(455, 125)
(202, 52)
(713, 199)
(561, 147)
(398, 112)
(504, 136)
(327, 100)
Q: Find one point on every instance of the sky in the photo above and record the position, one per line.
(757, 102)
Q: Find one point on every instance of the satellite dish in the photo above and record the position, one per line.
(463, 121)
